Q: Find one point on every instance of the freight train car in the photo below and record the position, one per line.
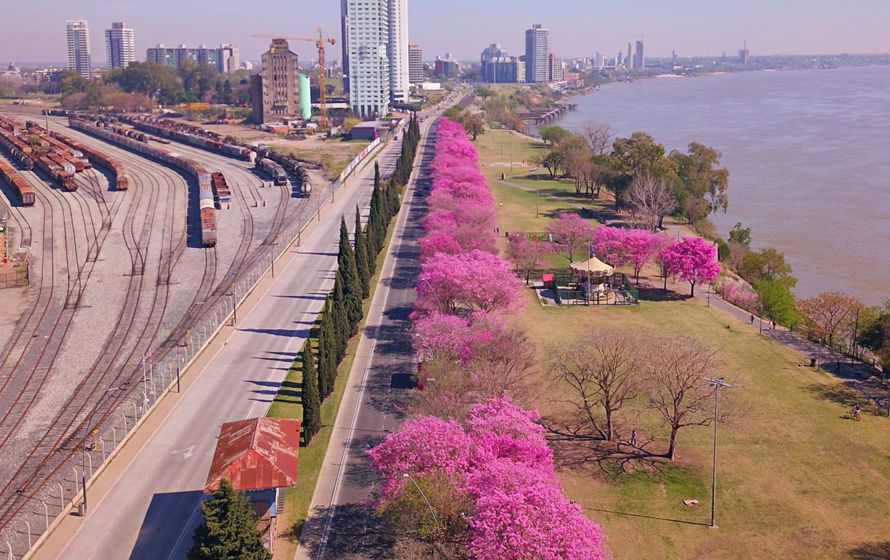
(63, 176)
(18, 183)
(221, 192)
(117, 169)
(274, 170)
(193, 169)
(19, 151)
(192, 135)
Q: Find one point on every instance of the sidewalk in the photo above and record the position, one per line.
(858, 375)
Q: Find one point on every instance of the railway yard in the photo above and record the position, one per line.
(136, 255)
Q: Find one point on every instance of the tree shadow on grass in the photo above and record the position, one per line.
(841, 395)
(650, 293)
(871, 551)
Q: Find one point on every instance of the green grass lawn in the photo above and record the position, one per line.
(287, 405)
(797, 478)
(794, 472)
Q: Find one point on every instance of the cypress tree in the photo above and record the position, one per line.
(370, 255)
(324, 353)
(361, 256)
(376, 175)
(352, 286)
(310, 397)
(229, 529)
(332, 345)
(341, 319)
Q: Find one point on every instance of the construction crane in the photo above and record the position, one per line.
(320, 45)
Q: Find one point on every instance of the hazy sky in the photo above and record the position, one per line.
(34, 30)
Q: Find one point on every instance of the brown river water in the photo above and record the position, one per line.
(809, 159)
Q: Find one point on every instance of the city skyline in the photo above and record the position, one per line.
(685, 26)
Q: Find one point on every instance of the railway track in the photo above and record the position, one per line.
(66, 440)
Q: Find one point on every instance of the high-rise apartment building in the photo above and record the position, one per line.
(537, 54)
(639, 57)
(397, 51)
(415, 64)
(120, 46)
(344, 43)
(493, 51)
(79, 53)
(629, 61)
(224, 58)
(275, 91)
(369, 66)
(500, 68)
(555, 68)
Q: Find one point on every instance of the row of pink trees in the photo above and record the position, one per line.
(690, 259)
(482, 468)
(499, 460)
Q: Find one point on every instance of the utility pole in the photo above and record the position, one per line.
(83, 450)
(716, 384)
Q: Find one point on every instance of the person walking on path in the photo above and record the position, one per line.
(633, 438)
(752, 318)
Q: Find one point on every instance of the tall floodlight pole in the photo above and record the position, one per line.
(83, 450)
(716, 384)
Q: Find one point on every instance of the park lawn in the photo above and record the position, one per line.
(287, 405)
(797, 478)
(794, 472)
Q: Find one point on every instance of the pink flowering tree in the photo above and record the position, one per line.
(571, 232)
(521, 513)
(499, 459)
(691, 259)
(467, 282)
(527, 254)
(641, 246)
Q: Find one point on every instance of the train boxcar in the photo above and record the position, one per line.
(192, 135)
(274, 170)
(18, 183)
(63, 177)
(208, 223)
(193, 169)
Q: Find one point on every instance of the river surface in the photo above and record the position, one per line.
(809, 159)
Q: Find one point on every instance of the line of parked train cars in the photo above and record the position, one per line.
(214, 142)
(202, 138)
(31, 148)
(192, 135)
(206, 205)
(114, 166)
(18, 183)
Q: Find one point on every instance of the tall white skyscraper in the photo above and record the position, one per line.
(399, 62)
(79, 52)
(120, 46)
(537, 54)
(369, 70)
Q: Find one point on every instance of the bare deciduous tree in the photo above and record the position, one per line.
(652, 198)
(598, 137)
(603, 370)
(502, 363)
(677, 389)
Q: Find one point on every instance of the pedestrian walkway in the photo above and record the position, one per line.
(856, 374)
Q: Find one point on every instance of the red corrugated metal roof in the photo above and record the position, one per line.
(256, 453)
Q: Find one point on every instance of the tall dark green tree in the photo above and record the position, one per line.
(323, 373)
(352, 285)
(361, 256)
(333, 354)
(310, 397)
(340, 315)
(229, 529)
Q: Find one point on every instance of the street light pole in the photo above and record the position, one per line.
(83, 449)
(428, 504)
(716, 384)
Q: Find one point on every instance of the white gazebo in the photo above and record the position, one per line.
(593, 265)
